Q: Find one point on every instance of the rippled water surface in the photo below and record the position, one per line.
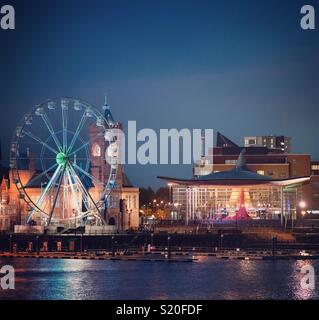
(208, 278)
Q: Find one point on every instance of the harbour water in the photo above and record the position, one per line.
(208, 278)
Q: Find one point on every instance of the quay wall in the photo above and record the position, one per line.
(138, 241)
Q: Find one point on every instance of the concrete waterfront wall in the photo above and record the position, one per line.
(135, 241)
(121, 241)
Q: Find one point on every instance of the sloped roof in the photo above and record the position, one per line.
(4, 173)
(37, 181)
(240, 175)
(240, 172)
(107, 112)
(126, 181)
(223, 141)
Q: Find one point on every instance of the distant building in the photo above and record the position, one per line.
(281, 143)
(125, 190)
(237, 193)
(315, 167)
(265, 161)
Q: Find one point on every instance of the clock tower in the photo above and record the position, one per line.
(100, 168)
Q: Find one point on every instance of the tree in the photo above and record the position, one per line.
(163, 194)
(146, 196)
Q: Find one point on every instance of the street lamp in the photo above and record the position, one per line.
(303, 213)
(170, 192)
(302, 205)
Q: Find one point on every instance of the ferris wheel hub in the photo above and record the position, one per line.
(61, 158)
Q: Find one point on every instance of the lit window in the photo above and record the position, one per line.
(96, 150)
(134, 202)
(230, 161)
(262, 172)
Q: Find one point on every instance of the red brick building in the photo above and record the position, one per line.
(266, 161)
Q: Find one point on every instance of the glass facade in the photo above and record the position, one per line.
(214, 202)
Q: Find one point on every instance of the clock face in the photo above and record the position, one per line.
(96, 150)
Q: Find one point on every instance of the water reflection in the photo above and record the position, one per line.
(299, 292)
(209, 278)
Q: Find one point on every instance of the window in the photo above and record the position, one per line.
(270, 172)
(134, 202)
(261, 172)
(230, 161)
(250, 141)
(127, 199)
(315, 167)
(96, 150)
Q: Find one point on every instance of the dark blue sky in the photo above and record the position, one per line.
(240, 67)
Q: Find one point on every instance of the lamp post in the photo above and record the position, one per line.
(154, 205)
(170, 192)
(168, 247)
(38, 245)
(221, 240)
(302, 206)
(303, 213)
(113, 249)
(10, 244)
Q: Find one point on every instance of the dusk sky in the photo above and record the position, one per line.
(238, 67)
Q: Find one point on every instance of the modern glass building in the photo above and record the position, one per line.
(237, 194)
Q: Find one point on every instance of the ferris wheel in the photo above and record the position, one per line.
(51, 162)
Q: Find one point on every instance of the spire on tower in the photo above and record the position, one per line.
(107, 110)
(105, 106)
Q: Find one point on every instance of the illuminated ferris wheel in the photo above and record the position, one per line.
(51, 162)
